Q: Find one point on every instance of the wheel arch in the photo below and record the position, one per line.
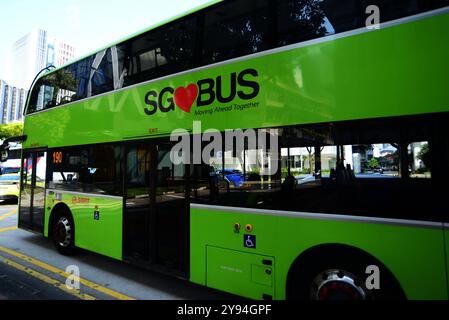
(306, 259)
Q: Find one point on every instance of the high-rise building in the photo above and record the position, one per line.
(12, 102)
(35, 51)
(30, 54)
(59, 52)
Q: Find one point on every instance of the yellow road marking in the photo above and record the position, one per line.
(8, 229)
(6, 215)
(60, 272)
(47, 279)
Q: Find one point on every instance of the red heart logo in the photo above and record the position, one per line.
(185, 97)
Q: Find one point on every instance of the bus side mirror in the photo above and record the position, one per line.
(4, 155)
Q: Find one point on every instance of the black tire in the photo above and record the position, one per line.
(63, 233)
(340, 275)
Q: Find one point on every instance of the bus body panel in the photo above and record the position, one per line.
(418, 265)
(98, 220)
(398, 70)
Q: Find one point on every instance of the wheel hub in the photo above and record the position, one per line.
(337, 285)
(63, 232)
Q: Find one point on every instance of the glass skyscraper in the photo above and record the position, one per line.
(30, 54)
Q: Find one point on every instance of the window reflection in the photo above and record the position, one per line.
(236, 29)
(419, 159)
(91, 169)
(160, 52)
(302, 20)
(390, 168)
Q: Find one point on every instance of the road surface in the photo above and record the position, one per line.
(31, 269)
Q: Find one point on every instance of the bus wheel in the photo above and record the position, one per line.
(64, 234)
(332, 274)
(337, 284)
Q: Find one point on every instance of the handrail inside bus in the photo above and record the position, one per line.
(32, 84)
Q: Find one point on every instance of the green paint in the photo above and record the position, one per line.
(103, 236)
(238, 272)
(408, 252)
(388, 72)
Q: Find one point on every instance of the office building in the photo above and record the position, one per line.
(35, 51)
(12, 102)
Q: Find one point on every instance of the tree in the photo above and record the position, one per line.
(307, 16)
(373, 163)
(311, 159)
(11, 130)
(424, 155)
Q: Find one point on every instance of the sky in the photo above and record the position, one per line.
(87, 24)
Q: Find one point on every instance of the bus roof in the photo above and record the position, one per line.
(138, 33)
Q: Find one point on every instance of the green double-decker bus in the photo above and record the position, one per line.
(344, 199)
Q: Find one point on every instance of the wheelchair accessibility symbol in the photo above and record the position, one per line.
(249, 241)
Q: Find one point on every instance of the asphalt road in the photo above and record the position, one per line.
(31, 269)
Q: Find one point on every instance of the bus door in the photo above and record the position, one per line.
(170, 211)
(32, 191)
(136, 216)
(155, 210)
